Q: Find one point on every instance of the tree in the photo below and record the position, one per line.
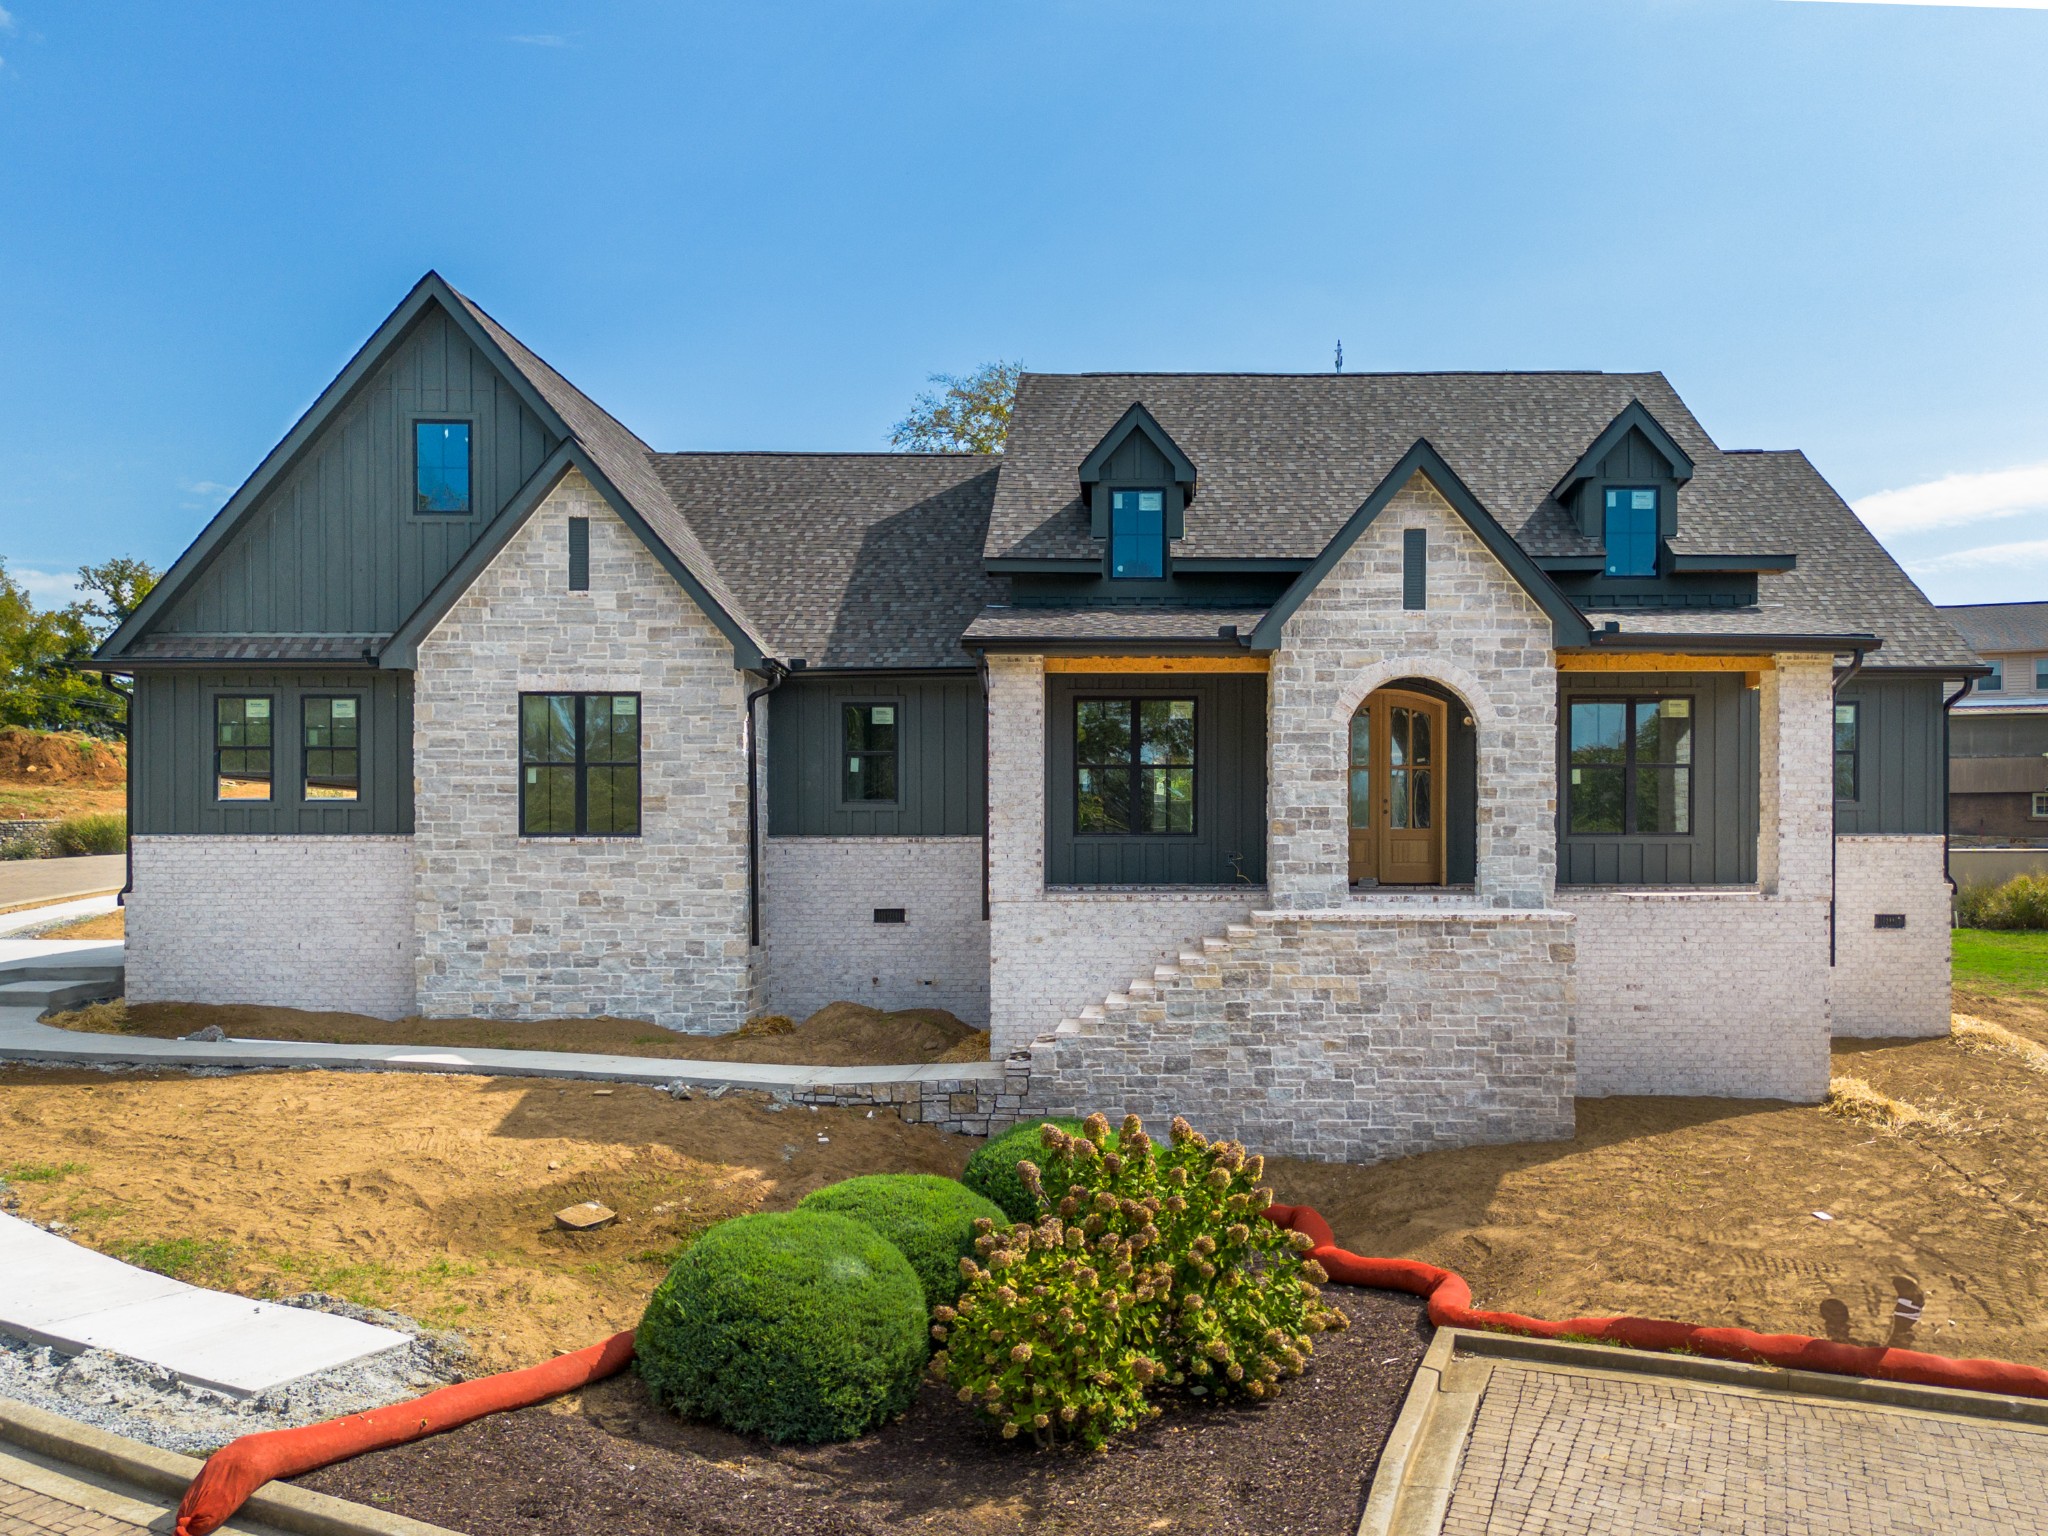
(113, 589)
(44, 653)
(970, 414)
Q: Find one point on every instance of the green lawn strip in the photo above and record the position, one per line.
(1992, 960)
(225, 1266)
(39, 1173)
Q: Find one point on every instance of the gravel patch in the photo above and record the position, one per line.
(148, 1403)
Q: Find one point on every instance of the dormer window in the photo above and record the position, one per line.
(440, 465)
(1631, 530)
(1137, 535)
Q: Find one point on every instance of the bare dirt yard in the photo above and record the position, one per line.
(837, 1035)
(46, 775)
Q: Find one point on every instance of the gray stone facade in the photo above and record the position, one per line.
(1350, 1035)
(651, 927)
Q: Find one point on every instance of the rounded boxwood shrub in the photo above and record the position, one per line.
(992, 1172)
(796, 1325)
(929, 1219)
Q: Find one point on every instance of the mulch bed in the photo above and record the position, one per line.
(611, 1461)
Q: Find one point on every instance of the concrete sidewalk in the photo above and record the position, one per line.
(24, 882)
(60, 1293)
(1504, 1436)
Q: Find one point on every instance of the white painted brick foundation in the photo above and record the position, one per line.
(653, 927)
(822, 943)
(288, 922)
(1701, 992)
(1891, 982)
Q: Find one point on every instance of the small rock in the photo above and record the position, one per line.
(720, 1091)
(1822, 1216)
(601, 1093)
(587, 1217)
(554, 1167)
(822, 1140)
(675, 1090)
(60, 1227)
(213, 1034)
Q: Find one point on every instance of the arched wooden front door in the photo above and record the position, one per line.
(1397, 789)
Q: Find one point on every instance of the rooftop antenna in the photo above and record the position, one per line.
(1340, 356)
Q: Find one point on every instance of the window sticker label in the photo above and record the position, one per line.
(1151, 501)
(533, 775)
(625, 704)
(1180, 709)
(885, 714)
(257, 709)
(344, 709)
(853, 765)
(1642, 501)
(1677, 709)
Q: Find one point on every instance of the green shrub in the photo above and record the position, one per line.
(2020, 903)
(796, 1325)
(929, 1219)
(90, 834)
(1155, 1268)
(992, 1171)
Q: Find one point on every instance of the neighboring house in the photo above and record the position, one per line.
(1998, 733)
(1360, 763)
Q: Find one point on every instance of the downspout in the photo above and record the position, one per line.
(1835, 806)
(127, 696)
(776, 672)
(987, 805)
(1948, 704)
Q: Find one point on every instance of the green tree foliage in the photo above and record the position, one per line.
(1154, 1268)
(43, 651)
(968, 413)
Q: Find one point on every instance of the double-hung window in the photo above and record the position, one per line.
(2041, 674)
(1995, 683)
(1631, 766)
(1848, 751)
(440, 467)
(579, 764)
(1134, 766)
(1137, 535)
(870, 731)
(242, 760)
(332, 755)
(2041, 805)
(1631, 531)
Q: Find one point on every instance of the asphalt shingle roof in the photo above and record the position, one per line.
(846, 559)
(2001, 626)
(175, 645)
(1129, 622)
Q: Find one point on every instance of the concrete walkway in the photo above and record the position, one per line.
(50, 913)
(1522, 1437)
(24, 882)
(59, 1478)
(56, 1292)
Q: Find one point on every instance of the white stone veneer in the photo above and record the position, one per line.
(651, 927)
(285, 922)
(1891, 981)
(823, 943)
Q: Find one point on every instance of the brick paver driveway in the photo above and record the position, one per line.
(1557, 1453)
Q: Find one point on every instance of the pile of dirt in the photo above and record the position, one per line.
(609, 1460)
(837, 1035)
(432, 1196)
(60, 757)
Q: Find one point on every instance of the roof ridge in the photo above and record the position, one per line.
(1391, 373)
(818, 453)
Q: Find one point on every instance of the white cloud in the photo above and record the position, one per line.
(556, 40)
(208, 488)
(6, 21)
(2024, 552)
(1955, 500)
(47, 589)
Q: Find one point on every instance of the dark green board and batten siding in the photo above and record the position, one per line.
(941, 761)
(172, 733)
(1228, 845)
(1721, 848)
(335, 547)
(1899, 777)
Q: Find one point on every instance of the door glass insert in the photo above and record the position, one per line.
(1361, 770)
(1410, 801)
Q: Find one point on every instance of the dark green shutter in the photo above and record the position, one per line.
(579, 554)
(1415, 568)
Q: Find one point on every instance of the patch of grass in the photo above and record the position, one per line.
(1990, 961)
(195, 1260)
(39, 1173)
(365, 1283)
(1983, 1035)
(1853, 1099)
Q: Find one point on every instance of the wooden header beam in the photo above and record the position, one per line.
(1157, 664)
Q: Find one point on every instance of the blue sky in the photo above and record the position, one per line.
(763, 225)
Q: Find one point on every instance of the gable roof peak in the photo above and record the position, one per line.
(1139, 420)
(1634, 417)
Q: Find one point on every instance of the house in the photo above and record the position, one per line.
(1360, 763)
(1998, 733)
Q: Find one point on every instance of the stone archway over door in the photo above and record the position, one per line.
(1399, 800)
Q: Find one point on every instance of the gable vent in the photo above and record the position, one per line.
(579, 554)
(1415, 568)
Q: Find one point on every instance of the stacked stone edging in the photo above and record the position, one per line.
(1350, 1033)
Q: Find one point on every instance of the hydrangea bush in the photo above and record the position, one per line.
(1153, 1269)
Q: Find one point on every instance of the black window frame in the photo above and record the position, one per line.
(1165, 543)
(1133, 762)
(580, 762)
(894, 753)
(468, 424)
(1854, 753)
(243, 696)
(307, 749)
(1629, 765)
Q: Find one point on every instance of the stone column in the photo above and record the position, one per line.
(1796, 791)
(1016, 778)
